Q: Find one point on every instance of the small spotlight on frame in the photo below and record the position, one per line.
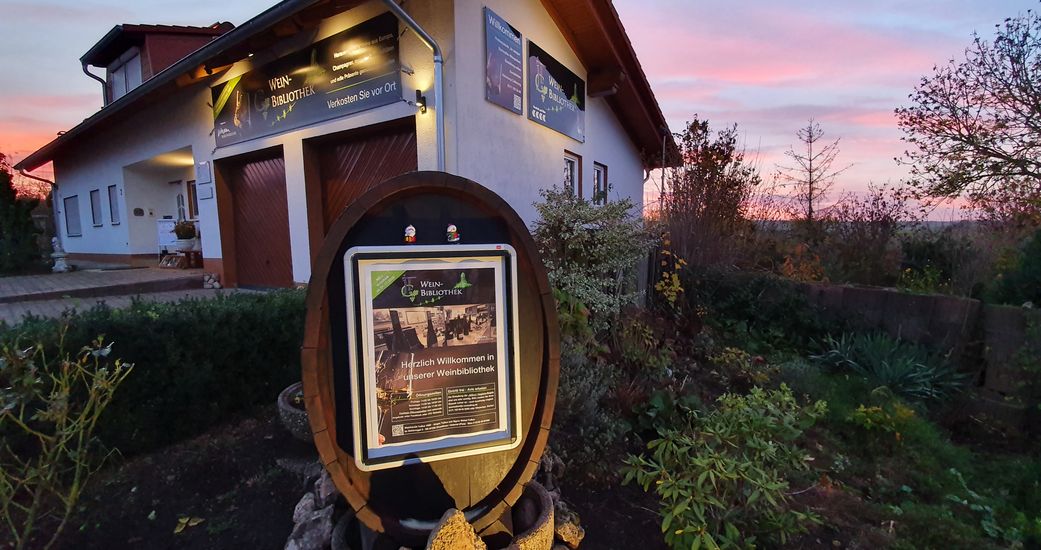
(421, 102)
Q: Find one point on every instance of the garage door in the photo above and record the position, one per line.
(354, 162)
(261, 223)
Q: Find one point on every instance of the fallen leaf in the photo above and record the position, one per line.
(195, 521)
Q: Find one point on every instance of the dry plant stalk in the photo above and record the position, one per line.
(48, 415)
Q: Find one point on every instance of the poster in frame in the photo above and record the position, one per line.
(432, 352)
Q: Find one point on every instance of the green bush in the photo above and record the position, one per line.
(1022, 282)
(18, 248)
(759, 312)
(196, 360)
(723, 480)
(591, 251)
(906, 369)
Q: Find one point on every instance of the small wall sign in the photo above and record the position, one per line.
(504, 63)
(433, 352)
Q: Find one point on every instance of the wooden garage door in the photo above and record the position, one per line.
(261, 217)
(353, 162)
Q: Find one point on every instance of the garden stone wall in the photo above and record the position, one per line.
(986, 341)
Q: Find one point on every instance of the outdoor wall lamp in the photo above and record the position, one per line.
(421, 102)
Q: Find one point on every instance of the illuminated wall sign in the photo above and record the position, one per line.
(433, 352)
(556, 96)
(351, 71)
(504, 63)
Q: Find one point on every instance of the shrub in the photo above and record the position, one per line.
(586, 428)
(724, 479)
(591, 251)
(197, 360)
(760, 310)
(906, 369)
(18, 247)
(1022, 281)
(49, 410)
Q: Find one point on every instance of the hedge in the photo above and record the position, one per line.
(196, 361)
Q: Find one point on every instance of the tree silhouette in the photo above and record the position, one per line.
(974, 126)
(17, 233)
(811, 174)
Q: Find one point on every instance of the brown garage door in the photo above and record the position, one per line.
(261, 222)
(353, 162)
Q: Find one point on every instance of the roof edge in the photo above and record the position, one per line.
(222, 43)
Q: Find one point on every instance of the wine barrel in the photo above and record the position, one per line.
(404, 503)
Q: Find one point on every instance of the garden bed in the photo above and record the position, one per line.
(229, 477)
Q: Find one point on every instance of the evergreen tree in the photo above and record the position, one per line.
(18, 247)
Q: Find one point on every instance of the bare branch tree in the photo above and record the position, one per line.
(974, 126)
(811, 176)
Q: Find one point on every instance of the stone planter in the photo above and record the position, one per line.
(184, 245)
(294, 417)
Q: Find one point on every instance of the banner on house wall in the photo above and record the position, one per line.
(351, 71)
(435, 359)
(504, 63)
(556, 96)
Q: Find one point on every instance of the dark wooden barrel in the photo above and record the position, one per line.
(404, 503)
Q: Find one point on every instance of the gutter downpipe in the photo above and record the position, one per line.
(54, 206)
(104, 85)
(439, 113)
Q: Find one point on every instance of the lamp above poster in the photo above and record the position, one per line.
(348, 72)
(556, 96)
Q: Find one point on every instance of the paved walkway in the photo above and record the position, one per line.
(12, 313)
(95, 283)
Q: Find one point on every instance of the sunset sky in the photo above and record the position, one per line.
(767, 65)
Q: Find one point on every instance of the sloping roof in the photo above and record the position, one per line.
(592, 27)
(121, 37)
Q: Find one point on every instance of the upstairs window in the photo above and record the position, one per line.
(124, 74)
(599, 184)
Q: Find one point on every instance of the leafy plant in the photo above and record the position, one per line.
(723, 479)
(18, 247)
(591, 251)
(184, 229)
(1022, 281)
(738, 365)
(49, 412)
(905, 368)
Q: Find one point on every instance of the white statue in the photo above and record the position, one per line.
(59, 257)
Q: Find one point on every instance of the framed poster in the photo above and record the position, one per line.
(432, 349)
(504, 63)
(556, 96)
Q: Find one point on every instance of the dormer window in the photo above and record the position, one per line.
(124, 74)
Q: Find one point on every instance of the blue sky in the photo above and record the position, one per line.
(766, 65)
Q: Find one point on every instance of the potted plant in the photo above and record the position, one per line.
(186, 233)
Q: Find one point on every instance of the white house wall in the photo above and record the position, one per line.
(506, 152)
(182, 120)
(509, 153)
(150, 190)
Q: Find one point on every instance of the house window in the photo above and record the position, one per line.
(193, 201)
(124, 75)
(599, 183)
(113, 204)
(71, 206)
(573, 173)
(180, 207)
(95, 207)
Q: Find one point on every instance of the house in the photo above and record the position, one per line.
(264, 132)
